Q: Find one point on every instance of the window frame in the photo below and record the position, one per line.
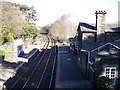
(110, 71)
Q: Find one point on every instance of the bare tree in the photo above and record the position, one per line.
(63, 28)
(12, 20)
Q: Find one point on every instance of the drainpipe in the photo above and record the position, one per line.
(87, 65)
(88, 52)
(88, 62)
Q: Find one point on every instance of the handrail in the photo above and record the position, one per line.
(92, 69)
(5, 43)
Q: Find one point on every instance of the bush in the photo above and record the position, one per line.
(104, 83)
(10, 37)
(30, 30)
(2, 53)
(1, 40)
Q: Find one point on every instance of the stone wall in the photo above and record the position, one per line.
(8, 48)
(100, 22)
(11, 54)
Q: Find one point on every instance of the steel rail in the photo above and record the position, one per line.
(53, 67)
(53, 70)
(46, 67)
(34, 70)
(46, 44)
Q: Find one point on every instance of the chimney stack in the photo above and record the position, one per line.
(100, 21)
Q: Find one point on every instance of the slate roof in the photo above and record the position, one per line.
(89, 44)
(107, 50)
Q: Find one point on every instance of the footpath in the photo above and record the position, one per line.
(69, 73)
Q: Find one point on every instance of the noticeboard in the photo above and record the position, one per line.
(18, 47)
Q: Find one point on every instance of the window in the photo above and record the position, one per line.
(110, 72)
(107, 72)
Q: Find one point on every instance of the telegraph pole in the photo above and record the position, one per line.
(79, 41)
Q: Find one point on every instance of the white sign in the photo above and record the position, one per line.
(18, 47)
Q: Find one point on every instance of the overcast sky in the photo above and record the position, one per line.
(81, 10)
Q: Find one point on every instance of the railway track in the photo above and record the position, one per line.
(39, 72)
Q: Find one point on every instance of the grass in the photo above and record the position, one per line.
(2, 53)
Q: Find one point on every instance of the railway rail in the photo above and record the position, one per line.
(38, 72)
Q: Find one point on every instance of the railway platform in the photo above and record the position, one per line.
(9, 69)
(69, 73)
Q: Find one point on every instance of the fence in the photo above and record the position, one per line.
(91, 75)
